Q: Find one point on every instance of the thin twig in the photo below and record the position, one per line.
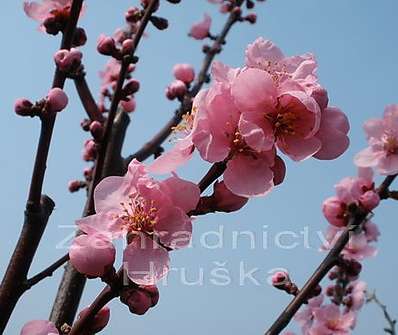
(87, 99)
(391, 322)
(327, 264)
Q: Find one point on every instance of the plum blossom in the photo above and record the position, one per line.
(351, 190)
(331, 321)
(357, 295)
(382, 136)
(150, 214)
(280, 101)
(184, 72)
(200, 30)
(39, 327)
(51, 14)
(305, 316)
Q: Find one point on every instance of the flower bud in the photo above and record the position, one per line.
(106, 45)
(176, 89)
(320, 95)
(184, 72)
(39, 327)
(53, 25)
(127, 46)
(145, 4)
(133, 15)
(80, 37)
(224, 200)
(153, 292)
(75, 185)
(89, 151)
(251, 18)
(200, 30)
(67, 60)
(100, 320)
(92, 255)
(137, 300)
(280, 278)
(129, 105)
(56, 100)
(279, 170)
(369, 200)
(96, 129)
(335, 212)
(131, 87)
(23, 107)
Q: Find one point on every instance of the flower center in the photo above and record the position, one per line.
(390, 144)
(284, 123)
(333, 324)
(138, 214)
(186, 124)
(276, 71)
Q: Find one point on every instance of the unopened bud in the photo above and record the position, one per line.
(23, 107)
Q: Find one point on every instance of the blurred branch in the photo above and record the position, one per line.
(391, 322)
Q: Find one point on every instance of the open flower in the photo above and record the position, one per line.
(331, 321)
(382, 135)
(281, 99)
(39, 327)
(150, 214)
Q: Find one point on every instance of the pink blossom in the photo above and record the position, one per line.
(335, 211)
(359, 248)
(66, 60)
(150, 214)
(184, 72)
(100, 320)
(57, 100)
(41, 11)
(372, 231)
(23, 107)
(176, 89)
(89, 150)
(39, 327)
(139, 300)
(357, 295)
(92, 254)
(129, 105)
(382, 135)
(200, 30)
(106, 45)
(331, 321)
(288, 104)
(305, 316)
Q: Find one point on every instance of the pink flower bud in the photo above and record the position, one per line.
(23, 107)
(321, 97)
(56, 100)
(153, 292)
(200, 30)
(279, 170)
(138, 300)
(133, 14)
(225, 201)
(184, 72)
(369, 200)
(100, 320)
(66, 60)
(92, 255)
(280, 278)
(176, 89)
(88, 173)
(106, 45)
(39, 327)
(89, 151)
(96, 129)
(129, 105)
(334, 211)
(127, 46)
(80, 37)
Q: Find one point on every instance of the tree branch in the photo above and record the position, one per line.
(72, 283)
(87, 99)
(327, 264)
(38, 207)
(391, 322)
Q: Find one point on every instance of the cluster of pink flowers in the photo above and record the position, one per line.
(272, 103)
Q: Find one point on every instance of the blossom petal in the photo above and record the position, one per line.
(183, 193)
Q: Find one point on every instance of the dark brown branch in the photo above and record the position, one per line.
(38, 208)
(327, 264)
(47, 272)
(12, 286)
(72, 283)
(87, 99)
(151, 147)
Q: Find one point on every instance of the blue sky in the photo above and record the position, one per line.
(355, 44)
